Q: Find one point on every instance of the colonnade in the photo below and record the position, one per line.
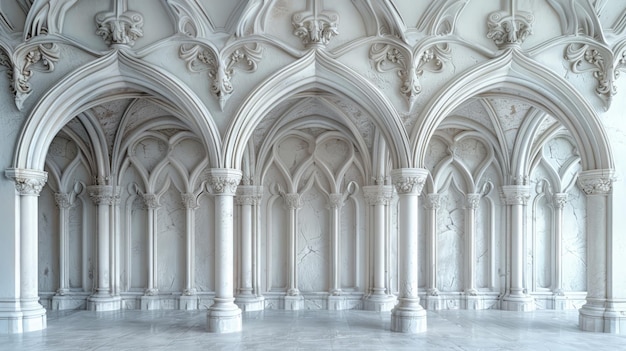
(602, 312)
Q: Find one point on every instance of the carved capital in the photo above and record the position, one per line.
(224, 181)
(596, 182)
(102, 195)
(509, 30)
(189, 200)
(249, 195)
(335, 200)
(472, 201)
(150, 201)
(315, 26)
(432, 201)
(515, 194)
(27, 181)
(119, 27)
(559, 200)
(293, 200)
(409, 180)
(64, 200)
(378, 194)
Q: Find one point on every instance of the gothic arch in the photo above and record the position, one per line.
(111, 77)
(532, 83)
(316, 70)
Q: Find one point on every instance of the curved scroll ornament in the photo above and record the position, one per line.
(409, 66)
(315, 26)
(509, 30)
(39, 57)
(221, 69)
(584, 58)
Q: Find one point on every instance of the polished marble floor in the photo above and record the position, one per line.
(312, 330)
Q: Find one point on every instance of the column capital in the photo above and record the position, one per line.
(409, 180)
(224, 181)
(102, 194)
(335, 200)
(292, 200)
(432, 201)
(64, 200)
(189, 200)
(151, 201)
(472, 200)
(596, 182)
(27, 181)
(559, 200)
(515, 194)
(249, 195)
(378, 194)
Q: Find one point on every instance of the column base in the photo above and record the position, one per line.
(293, 302)
(17, 317)
(69, 302)
(379, 303)
(410, 319)
(519, 303)
(560, 302)
(594, 317)
(249, 303)
(150, 302)
(185, 302)
(104, 302)
(473, 302)
(224, 318)
(337, 302)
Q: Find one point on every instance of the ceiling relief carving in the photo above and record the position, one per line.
(507, 29)
(220, 66)
(120, 26)
(315, 26)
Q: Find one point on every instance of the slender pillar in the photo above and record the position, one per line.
(516, 197)
(473, 302)
(432, 204)
(189, 299)
(335, 301)
(248, 197)
(150, 299)
(103, 299)
(558, 202)
(23, 312)
(408, 316)
(293, 300)
(379, 197)
(224, 316)
(605, 308)
(60, 301)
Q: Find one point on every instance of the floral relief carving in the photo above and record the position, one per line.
(40, 57)
(515, 194)
(507, 29)
(378, 195)
(102, 195)
(223, 184)
(596, 185)
(408, 185)
(64, 200)
(432, 201)
(220, 68)
(472, 201)
(120, 26)
(315, 26)
(410, 66)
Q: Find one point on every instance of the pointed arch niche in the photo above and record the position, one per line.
(538, 134)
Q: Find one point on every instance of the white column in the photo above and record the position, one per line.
(335, 300)
(189, 299)
(64, 202)
(28, 314)
(605, 308)
(432, 204)
(248, 197)
(102, 299)
(471, 205)
(224, 316)
(379, 197)
(558, 201)
(293, 300)
(408, 316)
(516, 197)
(150, 299)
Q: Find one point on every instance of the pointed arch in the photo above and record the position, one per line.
(532, 83)
(316, 71)
(116, 75)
